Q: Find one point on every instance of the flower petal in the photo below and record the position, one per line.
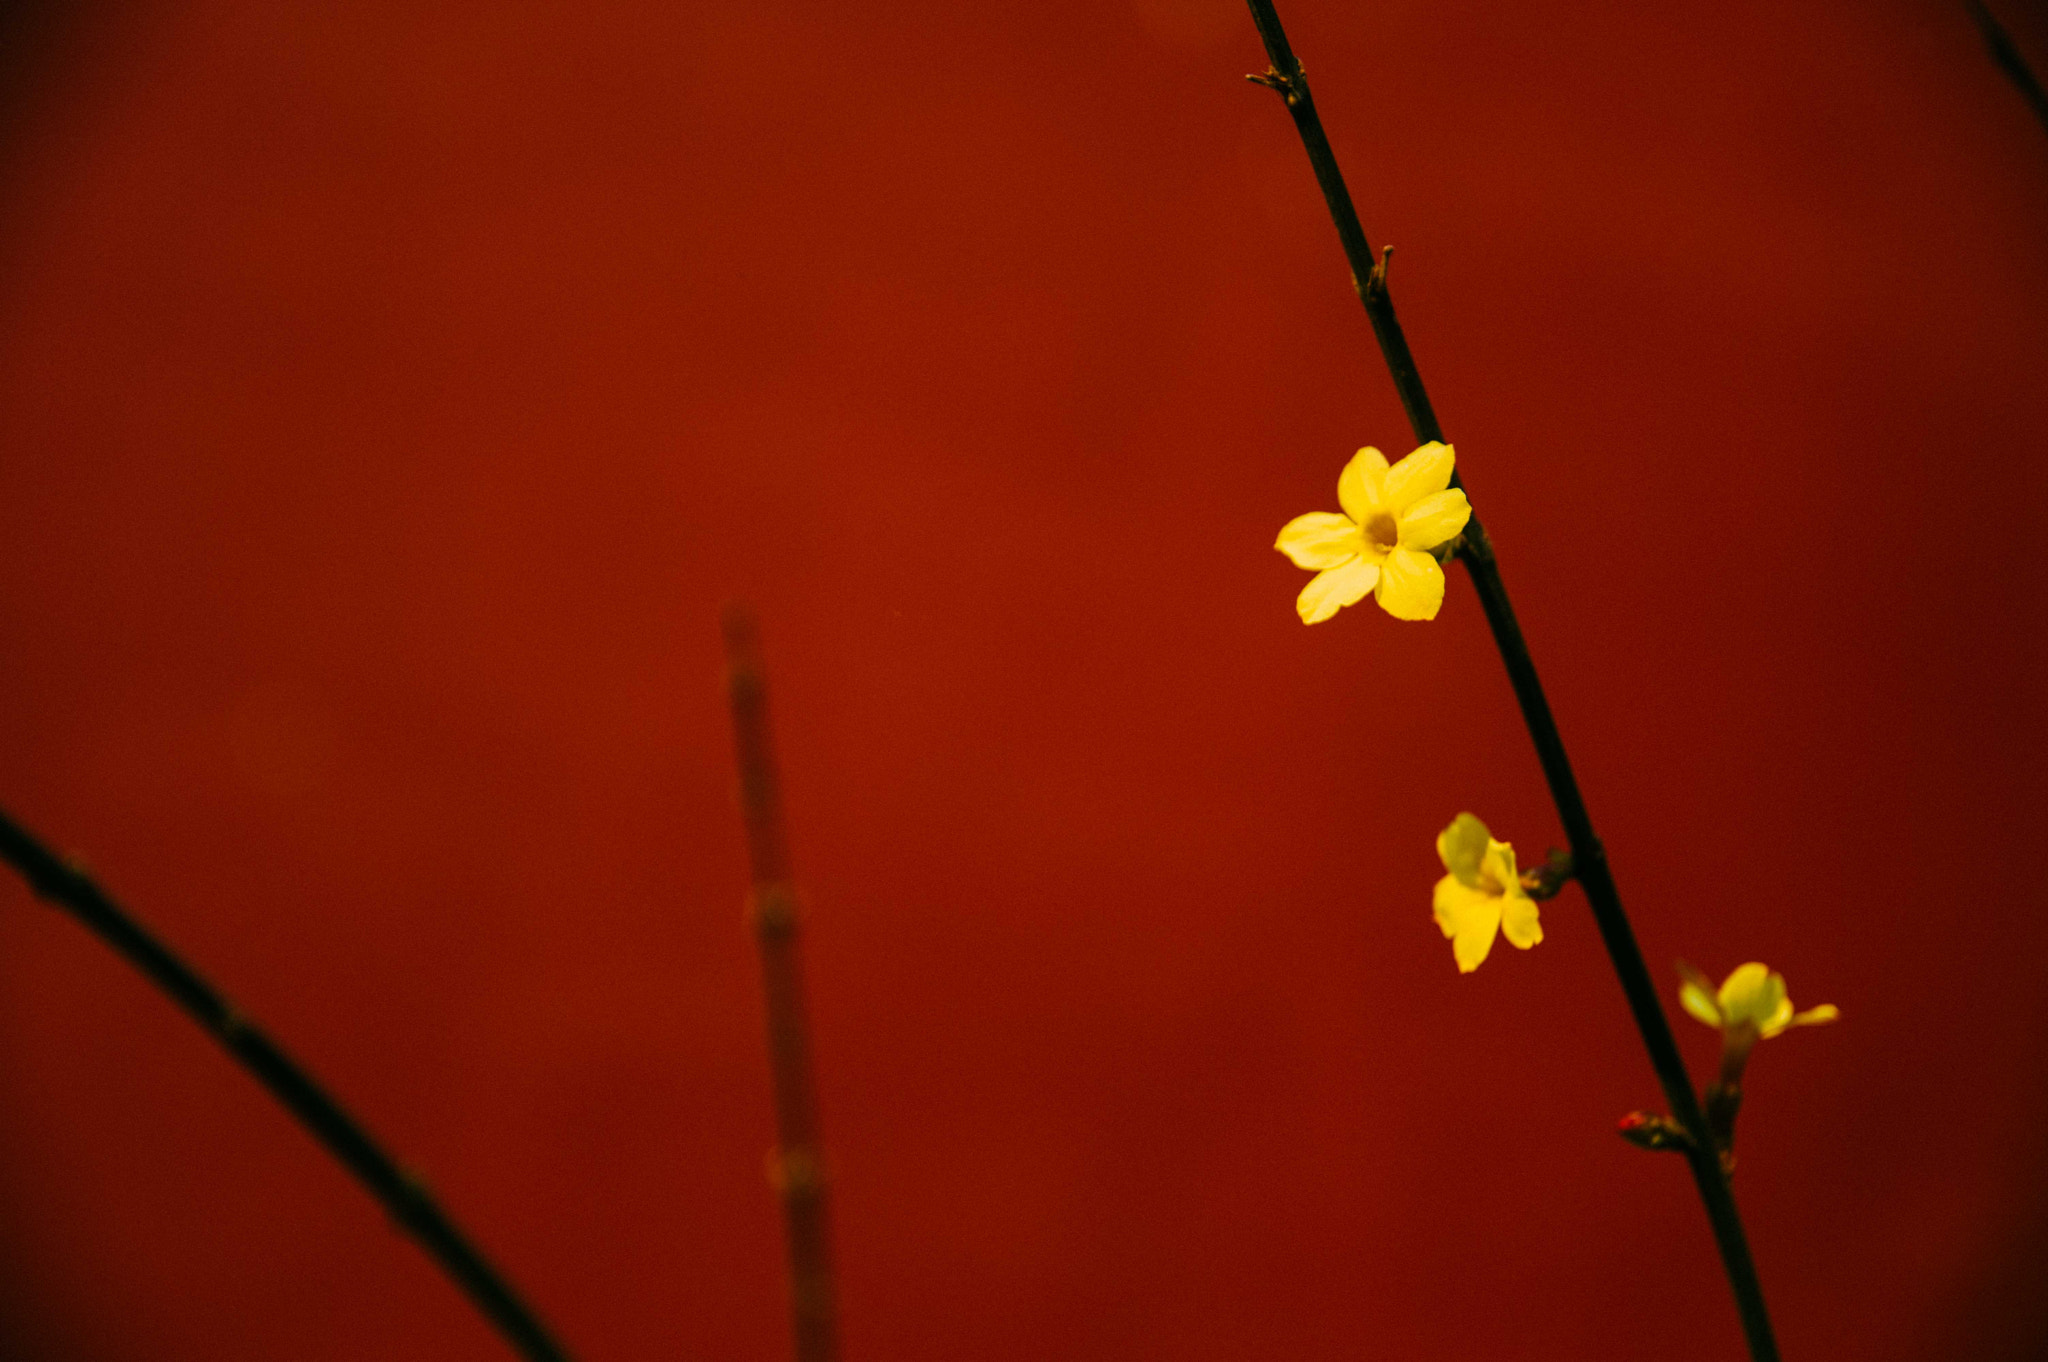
(1333, 589)
(1498, 873)
(1698, 1000)
(1451, 904)
(1814, 1016)
(1358, 486)
(1747, 994)
(1462, 848)
(1411, 585)
(1434, 520)
(1469, 918)
(1781, 1015)
(1518, 920)
(1319, 540)
(1425, 471)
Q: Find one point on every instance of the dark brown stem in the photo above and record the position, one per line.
(1589, 861)
(403, 1196)
(1723, 1103)
(797, 1166)
(2000, 45)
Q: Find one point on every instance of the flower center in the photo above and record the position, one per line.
(1382, 533)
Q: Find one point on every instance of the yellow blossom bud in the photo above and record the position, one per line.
(1753, 996)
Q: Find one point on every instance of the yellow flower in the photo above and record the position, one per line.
(1482, 895)
(1392, 518)
(1753, 996)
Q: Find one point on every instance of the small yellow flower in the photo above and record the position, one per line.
(1753, 996)
(1392, 518)
(1482, 895)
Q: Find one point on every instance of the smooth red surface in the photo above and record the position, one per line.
(391, 393)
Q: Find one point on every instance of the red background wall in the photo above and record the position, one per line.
(391, 393)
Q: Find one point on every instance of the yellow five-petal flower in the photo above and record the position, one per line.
(1753, 995)
(1392, 518)
(1483, 894)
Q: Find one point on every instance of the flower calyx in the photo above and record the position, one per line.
(1544, 881)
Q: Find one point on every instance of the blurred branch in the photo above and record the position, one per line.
(797, 1165)
(1999, 43)
(1589, 860)
(402, 1195)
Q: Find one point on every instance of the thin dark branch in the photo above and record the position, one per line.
(797, 1167)
(1589, 861)
(2003, 51)
(402, 1195)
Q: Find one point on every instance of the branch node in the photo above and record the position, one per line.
(1657, 1133)
(1544, 881)
(798, 1173)
(1377, 279)
(1473, 545)
(772, 911)
(1596, 853)
(1280, 84)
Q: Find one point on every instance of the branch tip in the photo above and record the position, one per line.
(1281, 85)
(1377, 280)
(742, 632)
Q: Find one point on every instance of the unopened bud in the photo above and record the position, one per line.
(1645, 1131)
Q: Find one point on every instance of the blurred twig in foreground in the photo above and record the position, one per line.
(402, 1195)
(1999, 43)
(797, 1164)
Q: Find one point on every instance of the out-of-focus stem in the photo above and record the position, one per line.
(2006, 54)
(1589, 861)
(797, 1165)
(401, 1194)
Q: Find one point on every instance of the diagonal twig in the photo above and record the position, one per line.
(401, 1194)
(797, 1166)
(2003, 51)
(1589, 861)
